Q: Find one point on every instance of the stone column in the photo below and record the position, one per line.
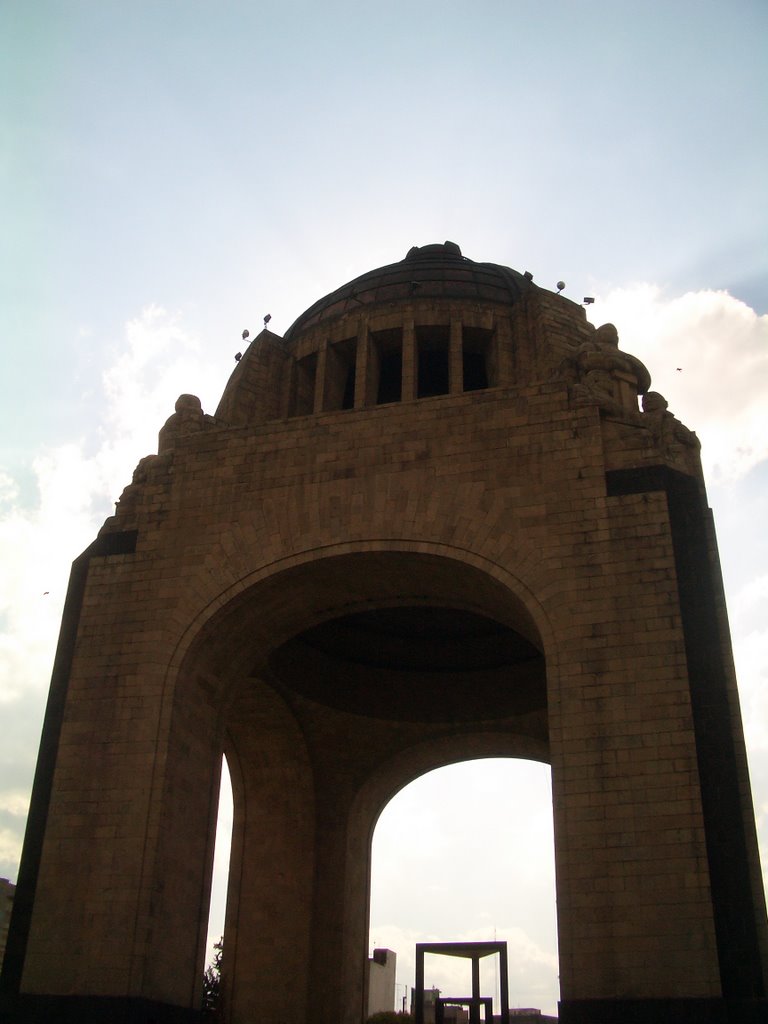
(362, 368)
(320, 371)
(410, 362)
(456, 359)
(338, 954)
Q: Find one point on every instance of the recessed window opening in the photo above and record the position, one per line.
(218, 903)
(433, 346)
(467, 852)
(476, 349)
(348, 398)
(388, 363)
(304, 396)
(340, 375)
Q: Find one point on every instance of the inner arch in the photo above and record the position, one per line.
(430, 610)
(320, 729)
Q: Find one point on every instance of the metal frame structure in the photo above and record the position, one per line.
(474, 951)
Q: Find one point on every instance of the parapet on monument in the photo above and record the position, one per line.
(442, 518)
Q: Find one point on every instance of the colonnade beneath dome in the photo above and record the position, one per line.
(382, 364)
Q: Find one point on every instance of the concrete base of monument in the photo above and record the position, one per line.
(74, 1009)
(663, 1011)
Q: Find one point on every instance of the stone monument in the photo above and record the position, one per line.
(432, 522)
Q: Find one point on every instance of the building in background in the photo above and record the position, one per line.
(381, 981)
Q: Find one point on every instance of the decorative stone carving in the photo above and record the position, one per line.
(673, 438)
(606, 376)
(148, 468)
(187, 419)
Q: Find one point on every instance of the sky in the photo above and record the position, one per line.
(171, 172)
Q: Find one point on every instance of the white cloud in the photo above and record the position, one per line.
(750, 603)
(720, 346)
(9, 492)
(9, 849)
(751, 657)
(77, 485)
(749, 612)
(159, 360)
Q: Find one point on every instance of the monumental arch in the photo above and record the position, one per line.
(443, 517)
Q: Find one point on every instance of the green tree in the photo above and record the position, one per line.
(212, 994)
(389, 1017)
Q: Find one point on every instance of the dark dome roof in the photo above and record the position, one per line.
(429, 271)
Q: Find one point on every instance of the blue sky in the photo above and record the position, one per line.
(170, 172)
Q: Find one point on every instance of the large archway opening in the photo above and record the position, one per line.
(333, 682)
(466, 853)
(217, 910)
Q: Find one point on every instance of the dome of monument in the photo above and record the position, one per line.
(432, 325)
(428, 271)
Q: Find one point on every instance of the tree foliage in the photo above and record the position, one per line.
(389, 1017)
(212, 995)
